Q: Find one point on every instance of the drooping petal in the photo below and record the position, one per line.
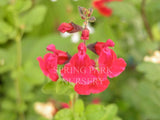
(110, 64)
(82, 89)
(96, 87)
(118, 66)
(53, 76)
(42, 65)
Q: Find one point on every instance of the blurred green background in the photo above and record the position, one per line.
(28, 26)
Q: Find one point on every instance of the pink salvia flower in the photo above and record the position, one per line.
(80, 68)
(48, 66)
(109, 62)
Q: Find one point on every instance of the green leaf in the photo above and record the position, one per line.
(3, 38)
(94, 112)
(64, 114)
(117, 118)
(7, 104)
(123, 10)
(110, 112)
(152, 8)
(63, 87)
(5, 28)
(7, 59)
(34, 17)
(144, 97)
(50, 87)
(150, 70)
(79, 107)
(60, 87)
(7, 31)
(35, 77)
(3, 2)
(22, 5)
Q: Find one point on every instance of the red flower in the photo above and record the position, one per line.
(108, 61)
(85, 34)
(99, 85)
(65, 27)
(48, 66)
(63, 57)
(80, 68)
(100, 6)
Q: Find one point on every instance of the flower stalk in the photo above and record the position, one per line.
(145, 21)
(17, 80)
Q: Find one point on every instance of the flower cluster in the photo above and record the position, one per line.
(100, 6)
(80, 69)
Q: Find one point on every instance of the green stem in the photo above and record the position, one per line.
(73, 97)
(17, 80)
(145, 21)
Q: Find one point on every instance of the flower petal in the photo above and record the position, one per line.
(48, 65)
(42, 65)
(117, 68)
(96, 87)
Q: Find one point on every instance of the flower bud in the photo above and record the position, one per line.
(65, 27)
(85, 34)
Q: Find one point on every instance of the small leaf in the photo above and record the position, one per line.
(63, 87)
(64, 114)
(3, 38)
(7, 59)
(90, 11)
(151, 71)
(94, 112)
(49, 87)
(111, 111)
(22, 5)
(81, 11)
(34, 17)
(60, 87)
